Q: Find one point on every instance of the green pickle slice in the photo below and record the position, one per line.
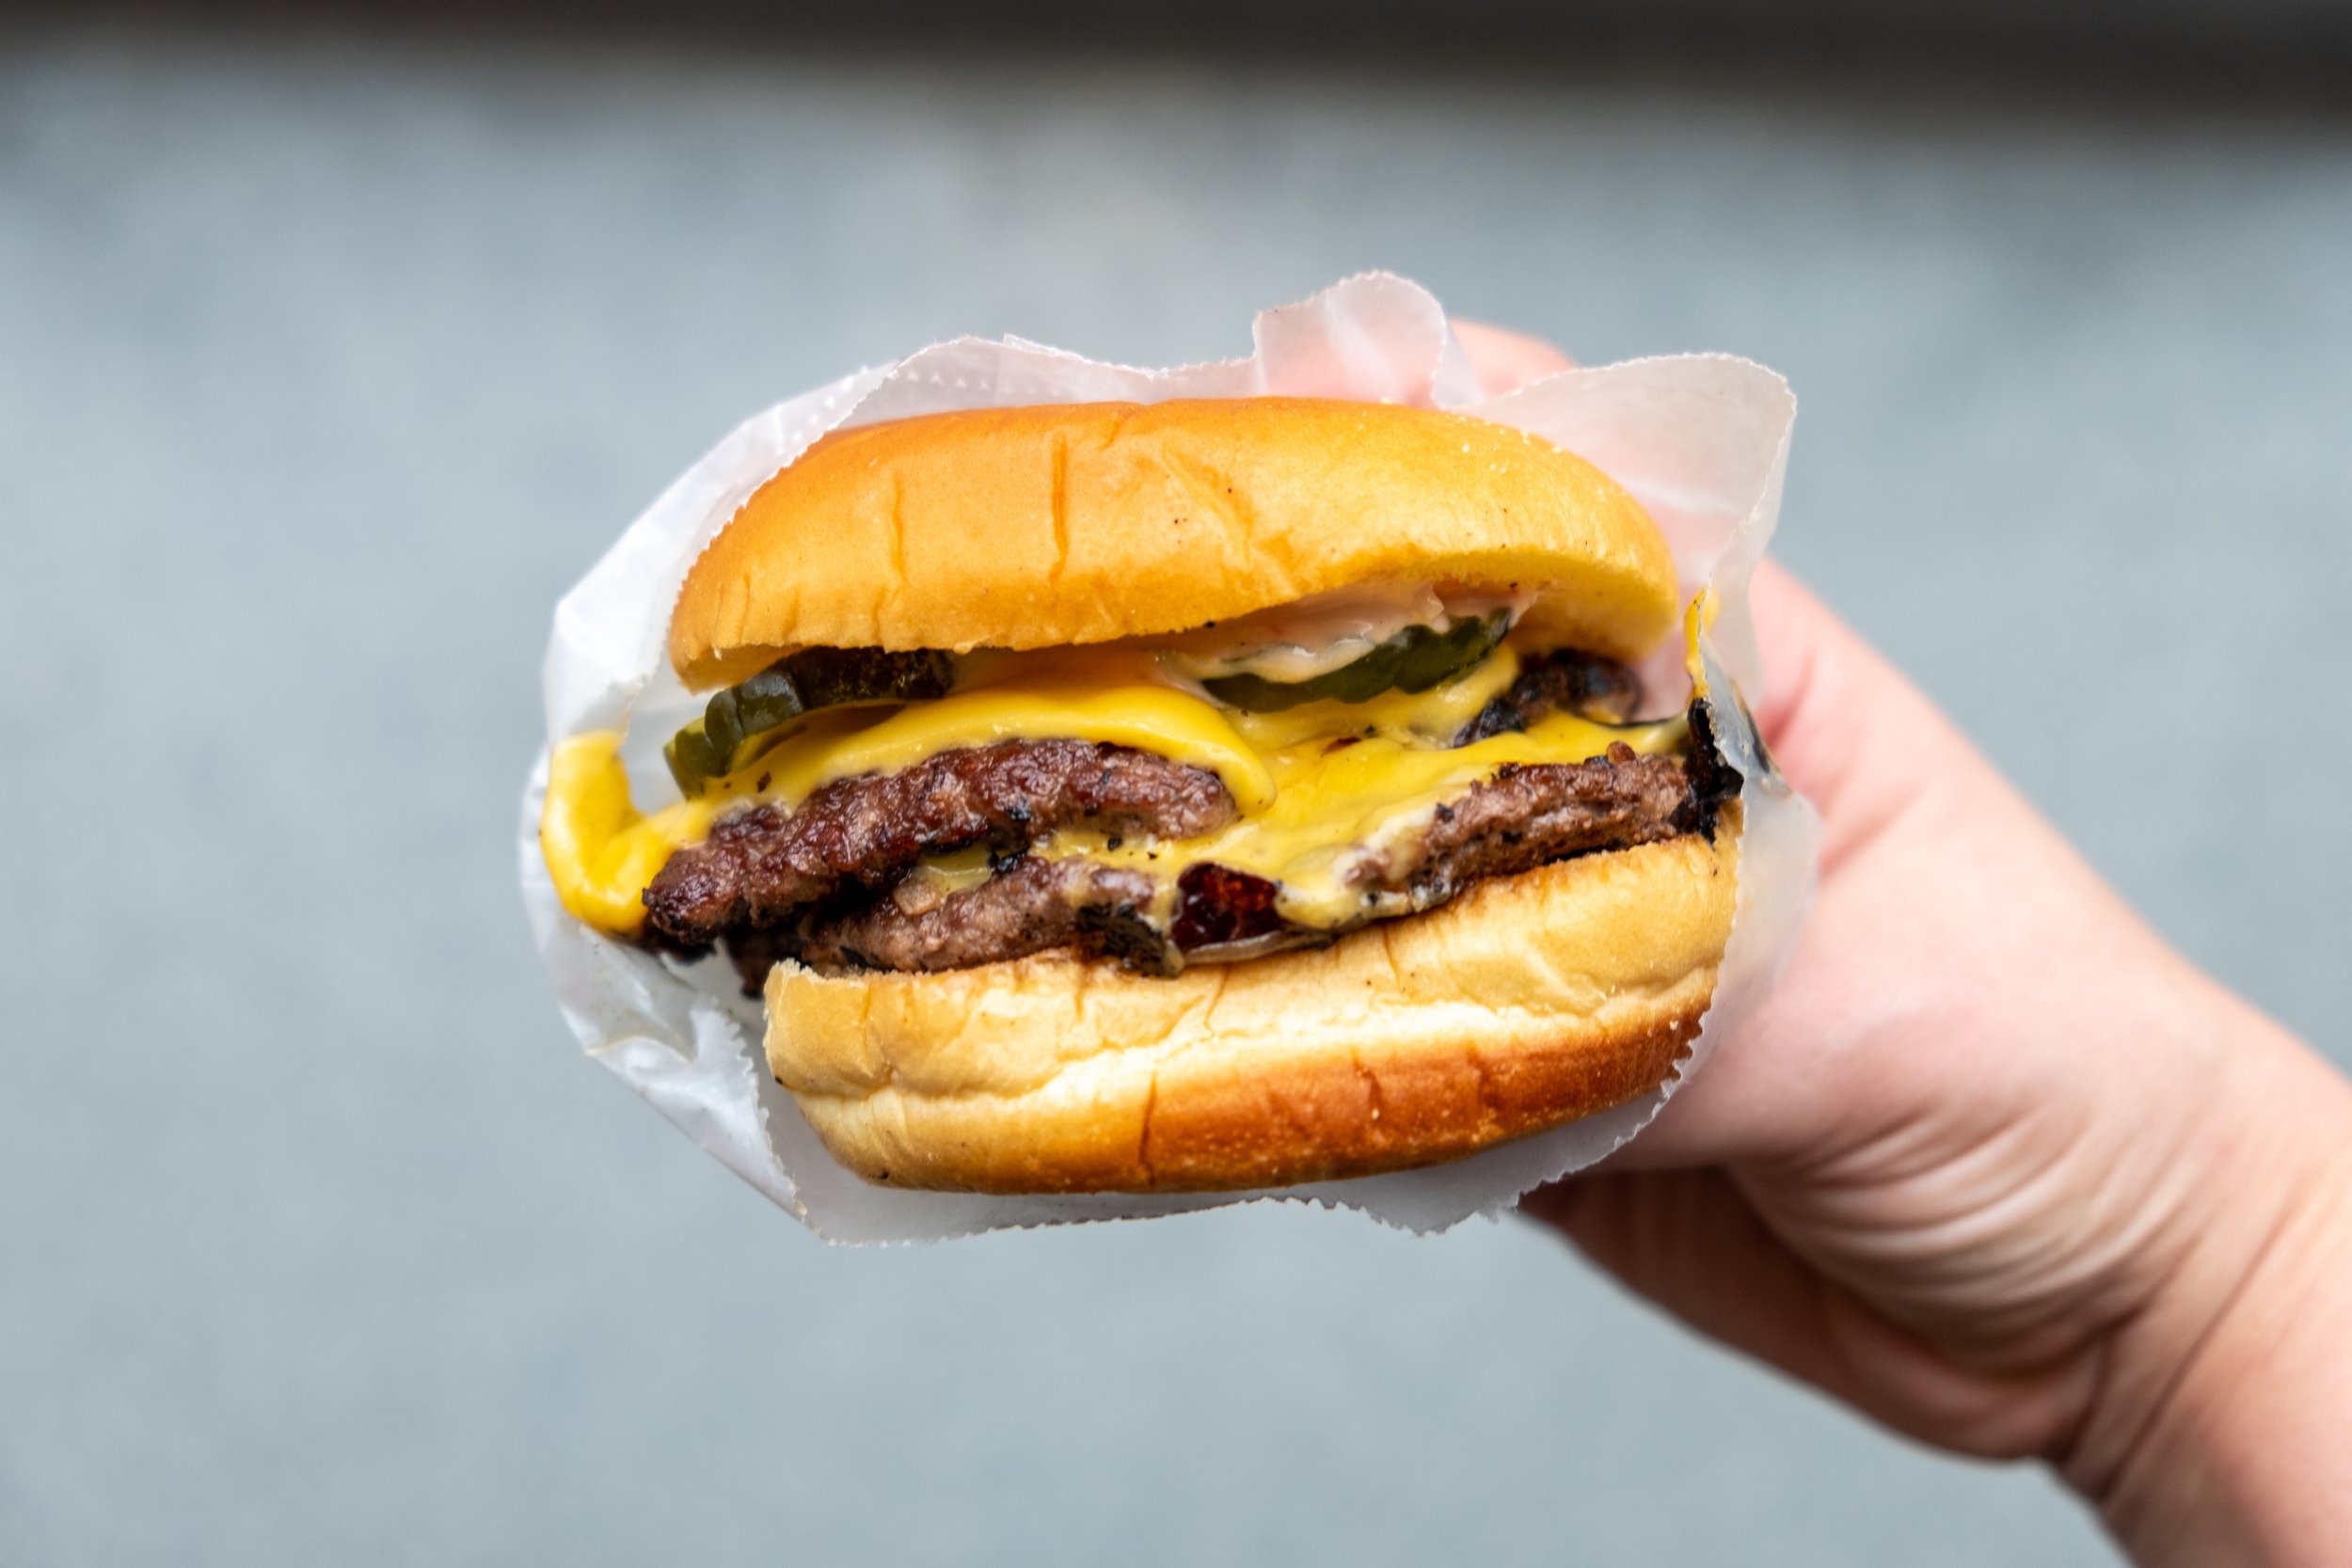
(1414, 660)
(747, 718)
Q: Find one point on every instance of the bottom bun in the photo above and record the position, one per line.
(1526, 1002)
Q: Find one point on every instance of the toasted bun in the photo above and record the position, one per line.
(1528, 1002)
(1070, 523)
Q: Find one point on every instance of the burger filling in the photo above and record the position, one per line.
(1209, 797)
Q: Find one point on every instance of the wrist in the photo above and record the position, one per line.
(2225, 1432)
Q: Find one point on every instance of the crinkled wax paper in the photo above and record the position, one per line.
(1700, 439)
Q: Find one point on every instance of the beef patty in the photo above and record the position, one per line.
(1032, 905)
(762, 865)
(1522, 818)
(827, 884)
(1564, 682)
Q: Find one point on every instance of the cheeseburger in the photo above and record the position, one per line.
(1188, 795)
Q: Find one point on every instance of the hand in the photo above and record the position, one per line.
(1992, 1165)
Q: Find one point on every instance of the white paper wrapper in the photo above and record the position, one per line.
(1700, 439)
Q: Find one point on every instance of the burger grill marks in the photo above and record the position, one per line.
(827, 884)
(761, 866)
(1522, 818)
(1032, 905)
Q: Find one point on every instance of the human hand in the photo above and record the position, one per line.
(1992, 1165)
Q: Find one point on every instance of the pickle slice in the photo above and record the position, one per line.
(745, 719)
(1414, 660)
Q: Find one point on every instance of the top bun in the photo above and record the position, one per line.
(1085, 522)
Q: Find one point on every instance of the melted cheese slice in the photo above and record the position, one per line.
(602, 853)
(1157, 718)
(1333, 810)
(1318, 786)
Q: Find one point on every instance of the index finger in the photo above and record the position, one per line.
(1507, 360)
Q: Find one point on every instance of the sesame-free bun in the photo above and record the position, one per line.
(1086, 522)
(1526, 1002)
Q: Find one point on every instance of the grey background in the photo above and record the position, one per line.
(327, 362)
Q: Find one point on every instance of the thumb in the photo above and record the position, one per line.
(1900, 794)
(1850, 732)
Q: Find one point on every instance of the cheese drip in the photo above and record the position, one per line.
(600, 851)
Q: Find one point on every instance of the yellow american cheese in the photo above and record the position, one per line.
(1332, 808)
(1307, 806)
(1157, 718)
(600, 851)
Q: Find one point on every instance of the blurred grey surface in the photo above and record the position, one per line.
(324, 367)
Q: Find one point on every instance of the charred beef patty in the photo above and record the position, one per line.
(1585, 685)
(762, 865)
(1031, 905)
(827, 884)
(1520, 818)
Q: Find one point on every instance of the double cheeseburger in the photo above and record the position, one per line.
(1200, 795)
